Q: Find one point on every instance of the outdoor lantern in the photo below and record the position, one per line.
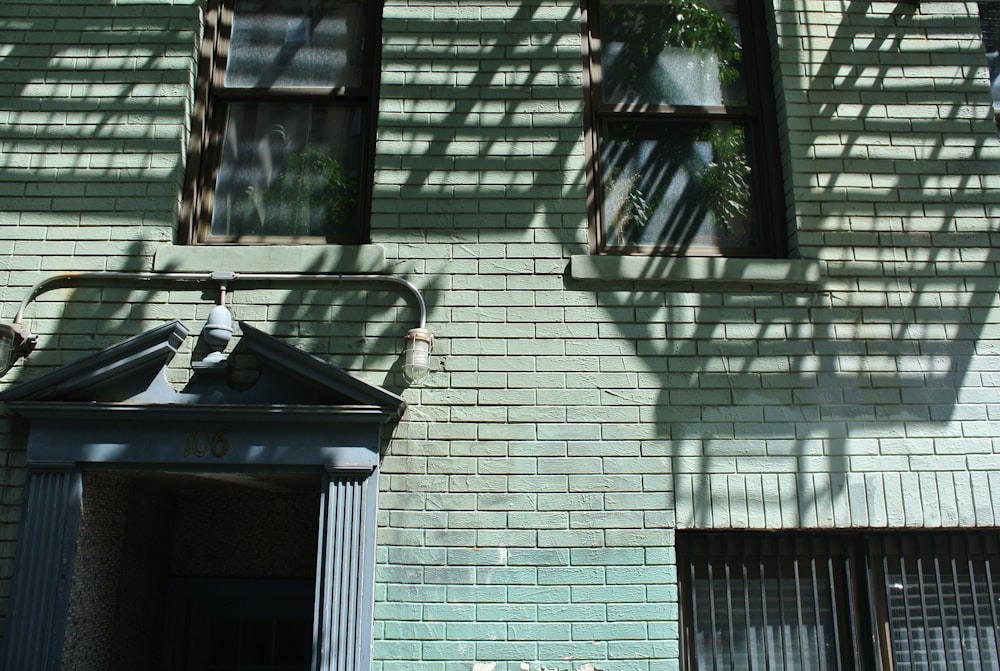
(217, 332)
(15, 342)
(419, 343)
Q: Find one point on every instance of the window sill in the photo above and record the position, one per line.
(271, 259)
(670, 270)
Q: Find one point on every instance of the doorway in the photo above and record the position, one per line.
(194, 571)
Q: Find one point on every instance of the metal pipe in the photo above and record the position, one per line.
(221, 278)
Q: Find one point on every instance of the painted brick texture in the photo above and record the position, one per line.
(94, 107)
(513, 530)
(530, 495)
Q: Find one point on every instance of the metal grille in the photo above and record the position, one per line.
(941, 595)
(833, 601)
(763, 602)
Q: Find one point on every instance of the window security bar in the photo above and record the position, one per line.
(839, 601)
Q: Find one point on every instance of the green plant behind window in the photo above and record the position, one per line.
(312, 196)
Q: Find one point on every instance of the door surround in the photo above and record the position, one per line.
(115, 410)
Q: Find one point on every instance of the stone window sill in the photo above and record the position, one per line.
(271, 259)
(689, 270)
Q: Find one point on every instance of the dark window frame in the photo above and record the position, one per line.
(989, 24)
(767, 190)
(882, 584)
(213, 99)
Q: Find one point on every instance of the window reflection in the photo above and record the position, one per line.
(288, 170)
(678, 185)
(295, 44)
(672, 53)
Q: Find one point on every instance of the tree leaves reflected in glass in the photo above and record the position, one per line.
(675, 170)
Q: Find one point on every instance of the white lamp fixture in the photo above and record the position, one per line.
(217, 332)
(419, 343)
(15, 342)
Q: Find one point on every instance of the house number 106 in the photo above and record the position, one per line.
(202, 443)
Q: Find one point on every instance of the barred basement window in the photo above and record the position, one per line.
(284, 126)
(834, 601)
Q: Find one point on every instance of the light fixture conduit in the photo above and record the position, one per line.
(17, 342)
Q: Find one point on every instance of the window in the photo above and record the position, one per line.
(284, 126)
(907, 602)
(989, 22)
(682, 141)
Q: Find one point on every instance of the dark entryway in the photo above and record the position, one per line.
(232, 624)
(194, 571)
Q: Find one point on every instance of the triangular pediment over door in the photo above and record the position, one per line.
(115, 411)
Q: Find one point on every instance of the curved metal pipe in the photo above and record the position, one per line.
(388, 279)
(218, 277)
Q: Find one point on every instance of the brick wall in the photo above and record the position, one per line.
(529, 496)
(520, 521)
(574, 424)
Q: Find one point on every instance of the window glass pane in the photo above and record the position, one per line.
(677, 52)
(678, 184)
(288, 170)
(296, 43)
(256, 646)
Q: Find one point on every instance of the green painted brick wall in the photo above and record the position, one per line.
(629, 410)
(94, 106)
(530, 495)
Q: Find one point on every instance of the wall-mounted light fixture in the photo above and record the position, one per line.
(17, 342)
(419, 343)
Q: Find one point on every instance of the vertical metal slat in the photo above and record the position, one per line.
(834, 605)
(905, 583)
(751, 635)
(711, 611)
(995, 624)
(323, 587)
(816, 614)
(781, 613)
(763, 606)
(693, 625)
(958, 602)
(729, 611)
(941, 612)
(922, 590)
(970, 567)
(801, 633)
(852, 610)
